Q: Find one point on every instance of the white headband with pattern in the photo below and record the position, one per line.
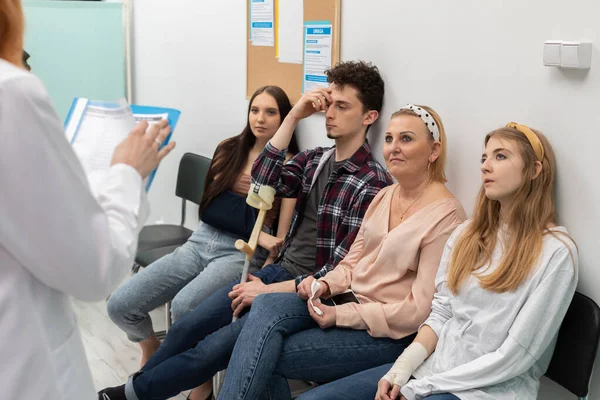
(426, 117)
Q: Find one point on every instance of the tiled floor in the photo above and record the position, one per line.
(112, 358)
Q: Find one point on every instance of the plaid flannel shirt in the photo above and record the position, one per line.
(342, 206)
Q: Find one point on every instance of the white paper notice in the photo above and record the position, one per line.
(317, 54)
(290, 30)
(261, 23)
(101, 130)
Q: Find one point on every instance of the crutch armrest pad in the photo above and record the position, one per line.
(261, 197)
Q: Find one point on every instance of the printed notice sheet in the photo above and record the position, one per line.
(95, 128)
(317, 54)
(261, 23)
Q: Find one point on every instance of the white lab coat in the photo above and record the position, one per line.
(60, 236)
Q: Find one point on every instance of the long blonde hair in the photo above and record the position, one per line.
(436, 170)
(12, 28)
(531, 214)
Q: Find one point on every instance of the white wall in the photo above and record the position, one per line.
(478, 63)
(190, 56)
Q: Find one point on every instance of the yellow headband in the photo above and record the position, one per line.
(534, 140)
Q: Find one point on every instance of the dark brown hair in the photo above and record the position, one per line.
(232, 154)
(362, 76)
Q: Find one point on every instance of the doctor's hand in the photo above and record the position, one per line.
(140, 149)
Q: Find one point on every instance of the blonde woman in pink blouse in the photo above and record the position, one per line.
(390, 270)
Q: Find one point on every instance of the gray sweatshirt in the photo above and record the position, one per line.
(497, 346)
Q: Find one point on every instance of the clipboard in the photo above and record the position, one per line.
(78, 109)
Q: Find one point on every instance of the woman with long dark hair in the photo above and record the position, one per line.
(209, 259)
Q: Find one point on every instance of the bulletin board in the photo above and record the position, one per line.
(263, 68)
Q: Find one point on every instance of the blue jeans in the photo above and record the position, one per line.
(281, 341)
(204, 264)
(360, 386)
(197, 346)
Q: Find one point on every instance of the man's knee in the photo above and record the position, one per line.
(272, 273)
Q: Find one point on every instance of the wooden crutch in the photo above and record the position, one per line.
(261, 198)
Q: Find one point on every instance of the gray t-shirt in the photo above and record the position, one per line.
(301, 254)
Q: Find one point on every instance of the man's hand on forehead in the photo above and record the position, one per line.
(311, 102)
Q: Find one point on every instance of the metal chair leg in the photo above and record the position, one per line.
(135, 268)
(168, 316)
(160, 335)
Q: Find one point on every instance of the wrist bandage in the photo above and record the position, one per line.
(412, 357)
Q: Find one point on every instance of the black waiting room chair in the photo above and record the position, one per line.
(573, 359)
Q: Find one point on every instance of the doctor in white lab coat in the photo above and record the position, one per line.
(62, 234)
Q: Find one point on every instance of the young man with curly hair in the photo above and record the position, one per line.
(333, 187)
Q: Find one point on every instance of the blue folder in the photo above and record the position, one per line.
(173, 117)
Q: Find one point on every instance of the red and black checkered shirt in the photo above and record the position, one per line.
(342, 206)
